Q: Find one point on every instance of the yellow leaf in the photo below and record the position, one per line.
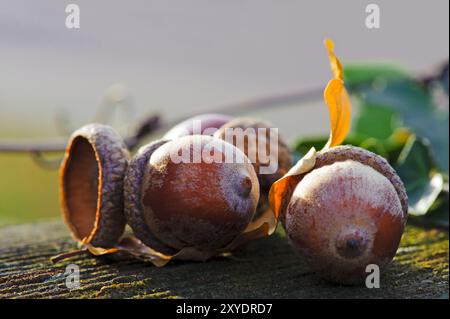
(282, 189)
(339, 109)
(336, 66)
(337, 100)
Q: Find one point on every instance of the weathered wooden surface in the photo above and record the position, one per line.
(267, 268)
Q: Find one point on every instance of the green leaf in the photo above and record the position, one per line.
(389, 148)
(416, 168)
(303, 145)
(376, 146)
(413, 105)
(375, 121)
(356, 74)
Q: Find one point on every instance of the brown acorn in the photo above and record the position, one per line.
(283, 158)
(91, 185)
(349, 211)
(201, 205)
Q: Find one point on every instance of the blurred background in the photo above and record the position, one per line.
(177, 58)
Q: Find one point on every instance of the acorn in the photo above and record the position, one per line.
(91, 185)
(282, 159)
(349, 211)
(203, 124)
(201, 204)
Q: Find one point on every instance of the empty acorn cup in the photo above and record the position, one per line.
(91, 185)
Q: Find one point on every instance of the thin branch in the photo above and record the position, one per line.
(32, 145)
(146, 127)
(152, 123)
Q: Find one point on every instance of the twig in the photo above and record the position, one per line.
(32, 146)
(152, 123)
(148, 126)
(144, 128)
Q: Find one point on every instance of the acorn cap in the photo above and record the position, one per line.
(284, 159)
(377, 162)
(91, 185)
(284, 155)
(133, 182)
(350, 152)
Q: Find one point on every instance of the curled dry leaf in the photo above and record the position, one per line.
(282, 189)
(335, 64)
(337, 100)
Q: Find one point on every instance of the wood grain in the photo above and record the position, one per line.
(267, 268)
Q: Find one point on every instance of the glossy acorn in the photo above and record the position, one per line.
(172, 205)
